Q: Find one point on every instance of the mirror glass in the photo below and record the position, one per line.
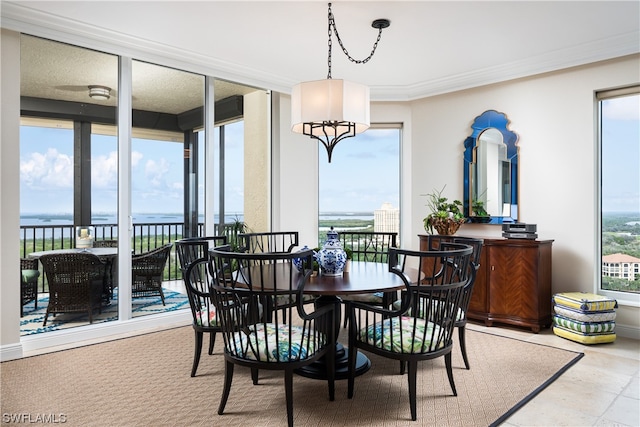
(491, 170)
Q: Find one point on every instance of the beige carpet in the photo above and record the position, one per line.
(144, 381)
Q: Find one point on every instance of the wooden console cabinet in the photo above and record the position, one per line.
(513, 284)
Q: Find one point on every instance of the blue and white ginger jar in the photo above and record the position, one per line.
(332, 258)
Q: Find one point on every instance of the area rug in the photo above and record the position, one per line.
(145, 381)
(31, 322)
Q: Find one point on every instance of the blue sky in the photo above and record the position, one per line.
(621, 155)
(364, 172)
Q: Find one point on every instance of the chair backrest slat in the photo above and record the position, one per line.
(268, 242)
(368, 246)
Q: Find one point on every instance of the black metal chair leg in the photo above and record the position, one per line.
(196, 352)
(288, 391)
(463, 345)
(228, 378)
(212, 341)
(413, 380)
(447, 362)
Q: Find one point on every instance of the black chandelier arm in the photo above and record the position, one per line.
(327, 140)
(378, 23)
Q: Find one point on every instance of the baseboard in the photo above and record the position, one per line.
(76, 337)
(10, 352)
(627, 331)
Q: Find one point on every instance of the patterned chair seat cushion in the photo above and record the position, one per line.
(587, 328)
(285, 300)
(252, 344)
(373, 298)
(397, 335)
(595, 316)
(585, 301)
(397, 304)
(207, 319)
(584, 338)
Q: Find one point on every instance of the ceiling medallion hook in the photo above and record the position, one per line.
(332, 110)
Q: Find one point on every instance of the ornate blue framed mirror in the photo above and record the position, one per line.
(491, 170)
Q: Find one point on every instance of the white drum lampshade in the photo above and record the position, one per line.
(329, 101)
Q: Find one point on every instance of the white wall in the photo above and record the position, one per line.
(554, 116)
(10, 191)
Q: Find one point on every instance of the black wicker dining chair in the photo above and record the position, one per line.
(369, 247)
(241, 281)
(76, 283)
(147, 272)
(191, 250)
(394, 333)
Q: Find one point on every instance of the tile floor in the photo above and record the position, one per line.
(602, 389)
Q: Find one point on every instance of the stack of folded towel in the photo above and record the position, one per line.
(584, 317)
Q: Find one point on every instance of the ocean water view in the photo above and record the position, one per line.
(32, 219)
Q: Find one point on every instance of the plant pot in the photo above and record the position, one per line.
(446, 226)
(347, 266)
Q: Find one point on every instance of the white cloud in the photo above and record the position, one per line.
(155, 172)
(104, 171)
(51, 169)
(624, 108)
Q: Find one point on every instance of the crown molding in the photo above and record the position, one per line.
(21, 18)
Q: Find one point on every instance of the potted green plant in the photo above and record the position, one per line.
(480, 214)
(347, 265)
(444, 216)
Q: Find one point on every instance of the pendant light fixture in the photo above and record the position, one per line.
(331, 110)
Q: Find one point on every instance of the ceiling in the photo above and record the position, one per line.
(431, 47)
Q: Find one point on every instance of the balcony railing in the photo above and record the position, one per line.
(146, 236)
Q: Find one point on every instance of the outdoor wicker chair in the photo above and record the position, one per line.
(394, 333)
(28, 283)
(240, 282)
(191, 250)
(76, 283)
(147, 271)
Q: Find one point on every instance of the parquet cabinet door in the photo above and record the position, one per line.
(513, 282)
(519, 282)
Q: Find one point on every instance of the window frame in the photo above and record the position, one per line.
(623, 298)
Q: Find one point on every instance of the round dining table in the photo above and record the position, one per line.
(362, 278)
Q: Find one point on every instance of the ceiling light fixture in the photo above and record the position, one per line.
(101, 93)
(332, 110)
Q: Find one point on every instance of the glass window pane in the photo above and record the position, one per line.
(362, 178)
(620, 173)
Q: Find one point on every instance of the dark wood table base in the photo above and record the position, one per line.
(318, 370)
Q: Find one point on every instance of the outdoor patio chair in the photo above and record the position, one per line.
(147, 271)
(369, 247)
(394, 333)
(241, 281)
(76, 282)
(191, 250)
(28, 283)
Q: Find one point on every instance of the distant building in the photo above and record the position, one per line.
(621, 266)
(386, 219)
